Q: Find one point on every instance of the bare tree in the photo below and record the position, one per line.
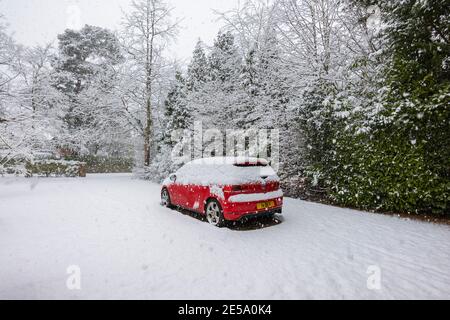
(147, 30)
(311, 30)
(250, 21)
(36, 65)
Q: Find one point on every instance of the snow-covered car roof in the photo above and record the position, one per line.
(229, 161)
(226, 171)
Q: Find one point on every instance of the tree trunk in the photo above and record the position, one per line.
(150, 34)
(148, 134)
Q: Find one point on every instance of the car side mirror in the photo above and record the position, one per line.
(173, 177)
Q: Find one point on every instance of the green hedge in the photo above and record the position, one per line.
(16, 170)
(54, 168)
(389, 173)
(96, 164)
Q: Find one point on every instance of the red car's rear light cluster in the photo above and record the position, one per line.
(273, 186)
(238, 188)
(241, 188)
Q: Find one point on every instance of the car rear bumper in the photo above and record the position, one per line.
(236, 212)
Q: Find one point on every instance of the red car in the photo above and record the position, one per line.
(225, 189)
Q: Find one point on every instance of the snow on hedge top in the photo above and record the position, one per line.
(226, 171)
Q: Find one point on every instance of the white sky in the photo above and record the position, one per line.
(40, 21)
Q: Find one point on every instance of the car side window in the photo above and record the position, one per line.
(181, 175)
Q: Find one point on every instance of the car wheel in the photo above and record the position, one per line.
(214, 214)
(271, 216)
(165, 198)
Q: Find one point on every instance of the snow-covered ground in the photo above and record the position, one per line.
(128, 247)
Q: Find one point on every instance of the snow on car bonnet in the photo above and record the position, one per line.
(226, 171)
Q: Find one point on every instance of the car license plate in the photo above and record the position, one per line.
(265, 205)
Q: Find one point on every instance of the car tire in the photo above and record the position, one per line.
(165, 198)
(214, 213)
(271, 216)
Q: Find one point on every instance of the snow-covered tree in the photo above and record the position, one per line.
(177, 115)
(33, 123)
(8, 59)
(249, 74)
(223, 88)
(83, 55)
(198, 71)
(147, 30)
(399, 160)
(224, 60)
(177, 119)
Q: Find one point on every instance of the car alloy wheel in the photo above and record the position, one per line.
(165, 198)
(214, 214)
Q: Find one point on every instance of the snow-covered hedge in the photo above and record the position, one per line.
(104, 164)
(15, 170)
(55, 168)
(389, 174)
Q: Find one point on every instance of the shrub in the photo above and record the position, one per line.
(389, 173)
(16, 170)
(55, 168)
(98, 164)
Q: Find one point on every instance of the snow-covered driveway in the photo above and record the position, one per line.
(128, 247)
